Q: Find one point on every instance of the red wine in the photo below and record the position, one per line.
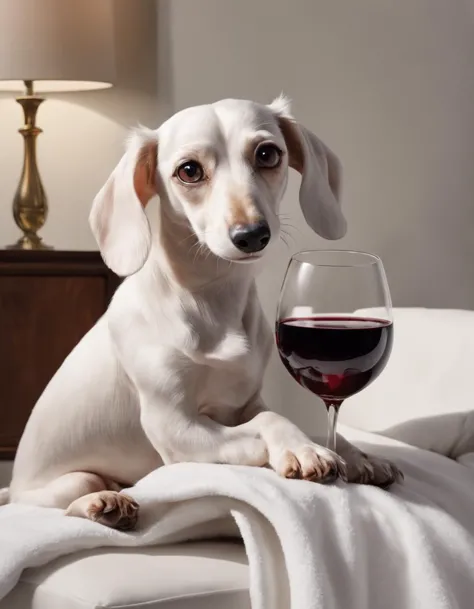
(334, 357)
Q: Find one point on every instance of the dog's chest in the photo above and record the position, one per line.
(229, 375)
(227, 341)
(216, 333)
(229, 350)
(222, 392)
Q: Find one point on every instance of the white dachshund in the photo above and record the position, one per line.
(173, 371)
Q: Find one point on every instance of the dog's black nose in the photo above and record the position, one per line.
(250, 238)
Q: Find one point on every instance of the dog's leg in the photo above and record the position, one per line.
(178, 433)
(264, 439)
(291, 453)
(179, 437)
(84, 495)
(363, 468)
(166, 383)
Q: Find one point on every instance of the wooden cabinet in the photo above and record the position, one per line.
(48, 301)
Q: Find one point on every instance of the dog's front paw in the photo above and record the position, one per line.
(375, 471)
(309, 462)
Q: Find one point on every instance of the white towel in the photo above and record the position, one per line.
(309, 546)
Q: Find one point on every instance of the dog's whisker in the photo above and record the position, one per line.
(191, 236)
(289, 235)
(195, 248)
(290, 226)
(198, 252)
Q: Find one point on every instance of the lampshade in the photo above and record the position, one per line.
(61, 45)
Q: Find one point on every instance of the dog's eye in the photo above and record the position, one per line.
(190, 172)
(268, 156)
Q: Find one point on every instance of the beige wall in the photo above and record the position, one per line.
(390, 86)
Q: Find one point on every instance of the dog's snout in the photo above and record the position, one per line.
(250, 238)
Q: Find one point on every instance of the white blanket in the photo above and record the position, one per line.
(309, 546)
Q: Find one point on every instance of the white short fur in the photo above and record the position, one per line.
(173, 371)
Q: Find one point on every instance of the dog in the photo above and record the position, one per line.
(173, 371)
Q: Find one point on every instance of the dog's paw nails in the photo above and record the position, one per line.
(289, 466)
(114, 510)
(311, 462)
(375, 471)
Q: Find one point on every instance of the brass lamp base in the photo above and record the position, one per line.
(30, 205)
(29, 242)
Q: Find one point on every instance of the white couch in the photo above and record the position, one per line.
(425, 395)
(427, 379)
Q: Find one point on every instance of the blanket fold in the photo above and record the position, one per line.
(309, 546)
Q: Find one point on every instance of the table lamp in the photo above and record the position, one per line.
(49, 45)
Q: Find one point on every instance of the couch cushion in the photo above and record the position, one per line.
(429, 373)
(198, 575)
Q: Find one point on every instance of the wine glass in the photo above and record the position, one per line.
(334, 325)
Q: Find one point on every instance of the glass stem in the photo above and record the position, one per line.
(333, 412)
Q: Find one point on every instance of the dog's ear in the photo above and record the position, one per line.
(117, 219)
(321, 174)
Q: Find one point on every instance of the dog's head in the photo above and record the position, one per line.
(223, 169)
